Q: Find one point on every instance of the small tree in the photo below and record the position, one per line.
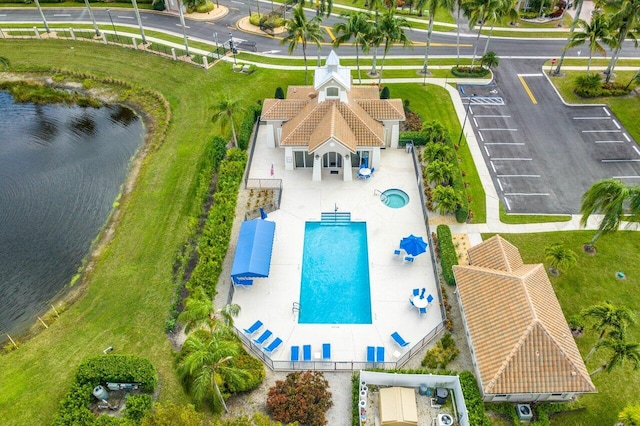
(438, 151)
(434, 131)
(490, 60)
(385, 93)
(440, 172)
(137, 407)
(446, 199)
(608, 318)
(173, 415)
(630, 416)
(279, 93)
(301, 397)
(621, 353)
(559, 258)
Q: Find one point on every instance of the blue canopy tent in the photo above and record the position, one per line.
(253, 251)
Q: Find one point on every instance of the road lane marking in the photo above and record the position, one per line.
(61, 14)
(493, 116)
(606, 111)
(527, 176)
(125, 17)
(622, 160)
(526, 88)
(486, 150)
(635, 148)
(481, 137)
(531, 75)
(500, 185)
(601, 131)
(492, 166)
(328, 30)
(179, 25)
(512, 159)
(535, 194)
(592, 118)
(504, 143)
(626, 137)
(609, 141)
(500, 129)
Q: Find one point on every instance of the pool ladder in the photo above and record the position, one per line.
(383, 197)
(296, 307)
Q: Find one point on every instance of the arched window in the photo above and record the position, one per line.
(333, 92)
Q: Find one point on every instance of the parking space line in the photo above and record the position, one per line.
(526, 88)
(493, 116)
(622, 160)
(481, 137)
(504, 143)
(626, 137)
(527, 176)
(601, 131)
(500, 129)
(500, 185)
(606, 111)
(535, 194)
(616, 123)
(474, 120)
(592, 118)
(512, 159)
(609, 141)
(635, 148)
(486, 150)
(492, 166)
(507, 203)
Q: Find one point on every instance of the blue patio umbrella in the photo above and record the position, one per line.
(413, 245)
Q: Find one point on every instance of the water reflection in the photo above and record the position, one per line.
(60, 170)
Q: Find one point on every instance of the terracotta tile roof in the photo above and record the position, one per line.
(364, 92)
(383, 109)
(301, 92)
(520, 338)
(338, 129)
(282, 109)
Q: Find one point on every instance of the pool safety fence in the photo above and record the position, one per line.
(335, 218)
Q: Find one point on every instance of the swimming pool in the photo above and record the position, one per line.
(394, 198)
(335, 274)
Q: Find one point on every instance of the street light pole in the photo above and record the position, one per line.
(184, 30)
(466, 114)
(232, 49)
(113, 26)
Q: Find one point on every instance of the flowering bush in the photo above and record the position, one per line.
(301, 397)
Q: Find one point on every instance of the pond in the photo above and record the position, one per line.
(61, 169)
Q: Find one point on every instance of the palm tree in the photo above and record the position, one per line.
(203, 364)
(440, 172)
(392, 31)
(299, 30)
(199, 311)
(608, 198)
(626, 21)
(507, 8)
(433, 6)
(480, 11)
(594, 32)
(559, 258)
(446, 199)
(577, 4)
(608, 318)
(438, 151)
(225, 108)
(490, 60)
(358, 27)
(622, 352)
(374, 36)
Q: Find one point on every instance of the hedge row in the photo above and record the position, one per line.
(74, 407)
(468, 72)
(418, 138)
(448, 257)
(246, 127)
(214, 241)
(473, 400)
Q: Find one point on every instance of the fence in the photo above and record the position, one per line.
(123, 40)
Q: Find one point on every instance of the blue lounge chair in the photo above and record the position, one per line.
(371, 352)
(295, 353)
(416, 291)
(255, 327)
(423, 310)
(429, 299)
(380, 354)
(306, 352)
(263, 337)
(326, 351)
(408, 259)
(273, 345)
(399, 340)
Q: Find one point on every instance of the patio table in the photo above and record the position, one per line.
(420, 303)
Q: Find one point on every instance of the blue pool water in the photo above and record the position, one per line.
(335, 274)
(394, 198)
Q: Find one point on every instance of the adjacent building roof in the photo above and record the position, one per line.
(521, 340)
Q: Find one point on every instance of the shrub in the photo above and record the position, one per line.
(591, 86)
(173, 415)
(301, 397)
(137, 407)
(588, 81)
(254, 19)
(279, 93)
(435, 132)
(444, 353)
(468, 72)
(246, 127)
(249, 364)
(384, 94)
(448, 256)
(473, 400)
(417, 138)
(158, 5)
(206, 7)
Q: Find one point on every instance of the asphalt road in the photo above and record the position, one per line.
(542, 154)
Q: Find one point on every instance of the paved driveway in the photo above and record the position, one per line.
(543, 155)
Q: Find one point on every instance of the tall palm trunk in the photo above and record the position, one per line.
(426, 51)
(486, 45)
(589, 62)
(382, 66)
(218, 393)
(593, 349)
(458, 37)
(375, 51)
(475, 49)
(304, 55)
(576, 17)
(233, 132)
(612, 63)
(358, 65)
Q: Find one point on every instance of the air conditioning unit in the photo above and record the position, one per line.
(445, 420)
(524, 411)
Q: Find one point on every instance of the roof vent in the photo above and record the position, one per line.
(312, 95)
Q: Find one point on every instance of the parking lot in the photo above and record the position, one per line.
(543, 155)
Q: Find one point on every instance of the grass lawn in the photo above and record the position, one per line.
(593, 281)
(130, 288)
(432, 103)
(517, 219)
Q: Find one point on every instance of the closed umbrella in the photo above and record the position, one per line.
(413, 245)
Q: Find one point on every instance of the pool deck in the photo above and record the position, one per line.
(271, 299)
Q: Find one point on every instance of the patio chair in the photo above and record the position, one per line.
(373, 169)
(423, 310)
(429, 299)
(371, 352)
(263, 337)
(422, 292)
(408, 259)
(397, 252)
(360, 175)
(273, 345)
(380, 354)
(399, 340)
(255, 327)
(411, 301)
(306, 353)
(416, 291)
(295, 353)
(326, 351)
